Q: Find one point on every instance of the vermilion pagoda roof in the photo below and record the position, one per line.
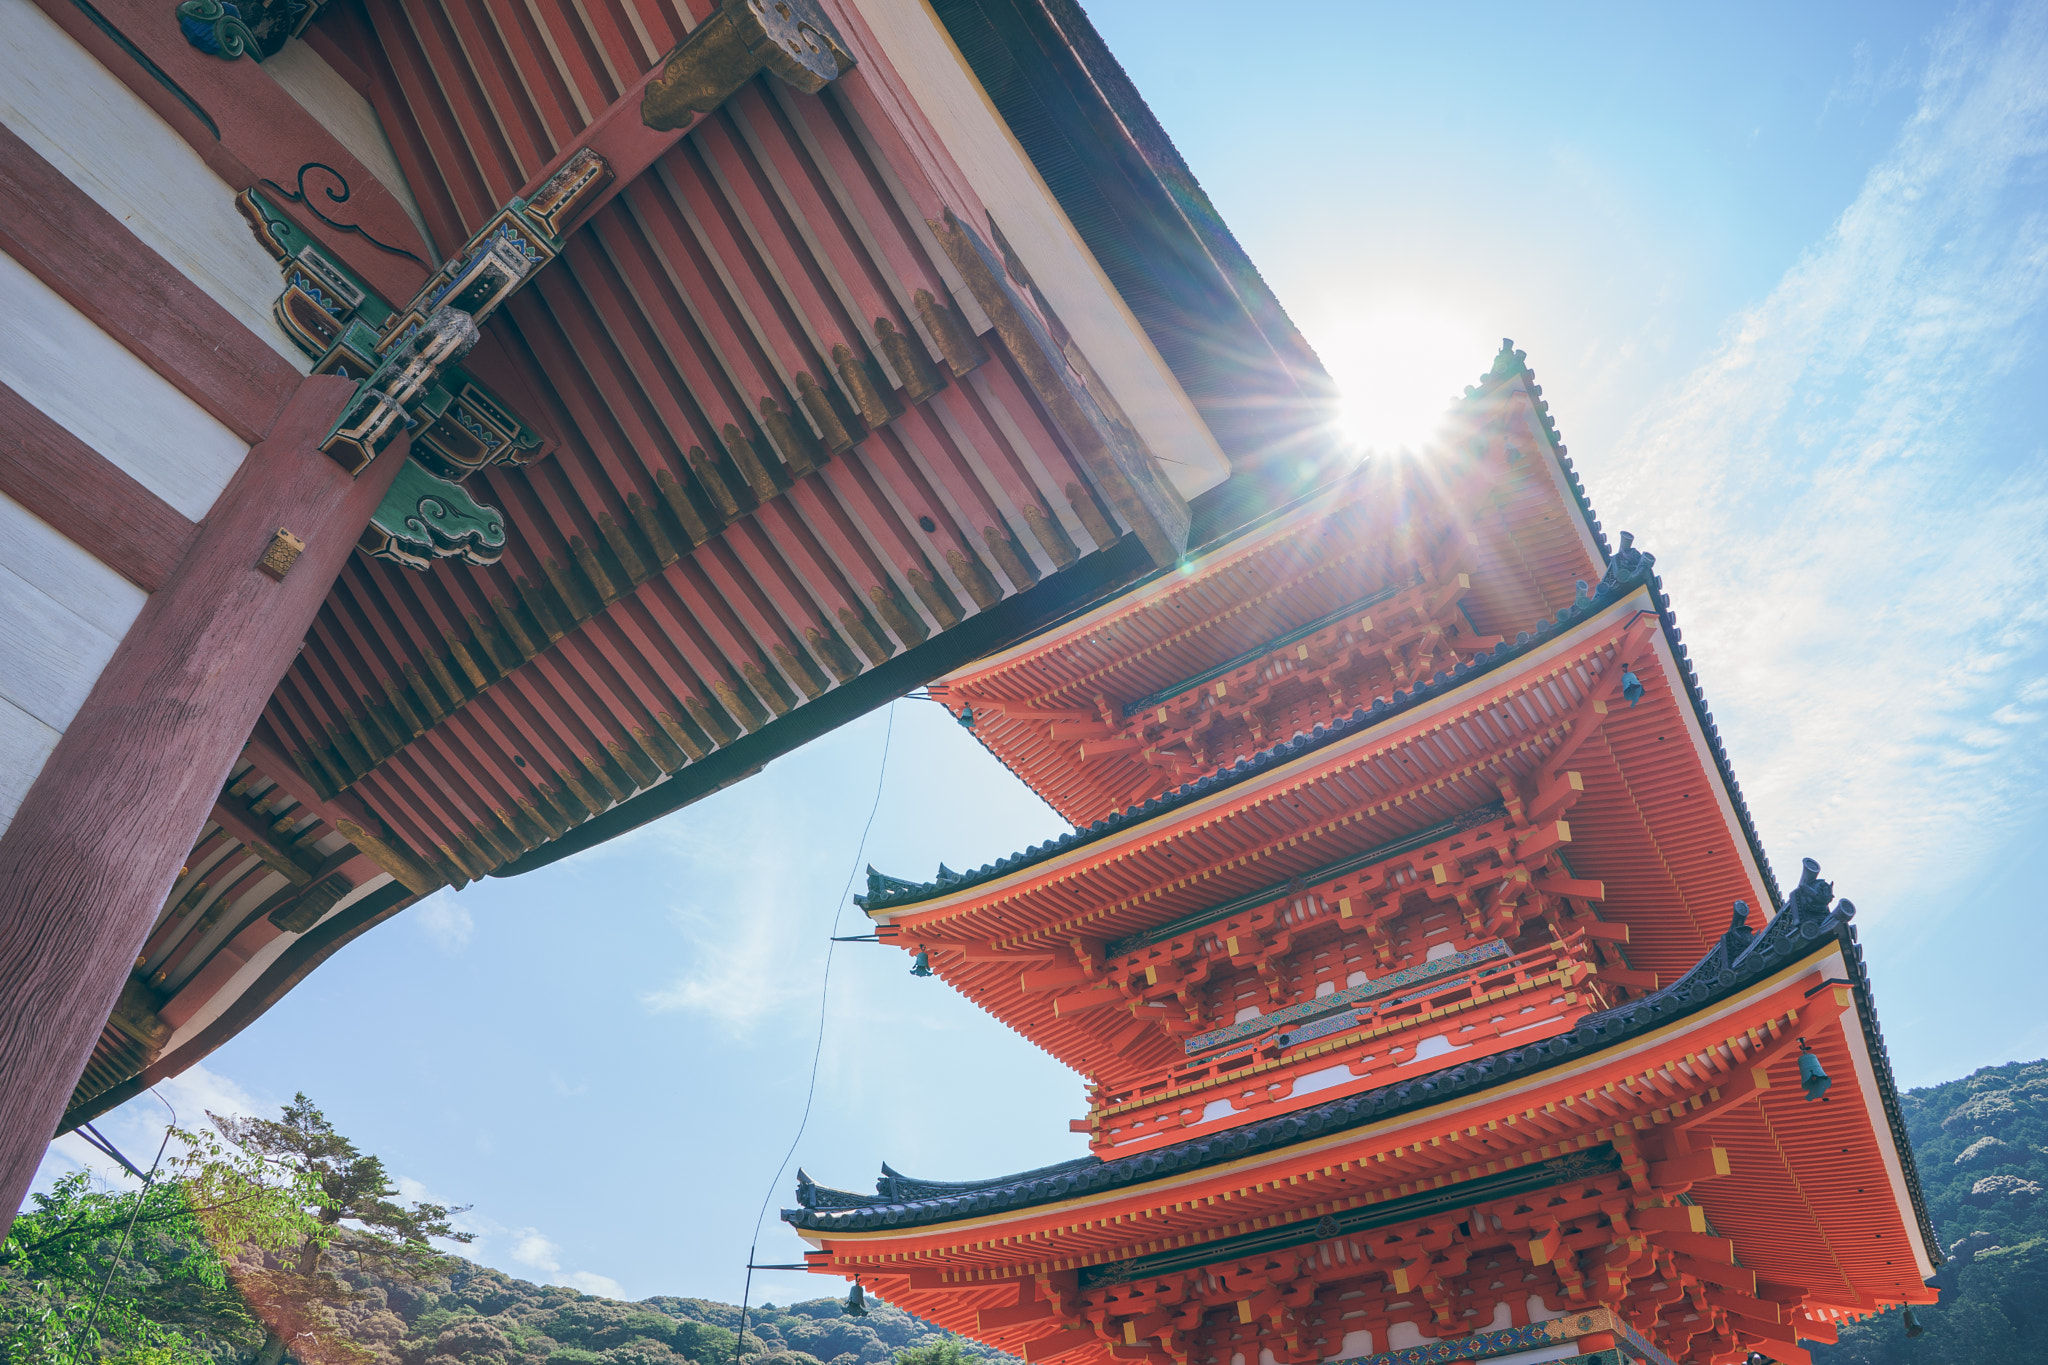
(1622, 577)
(1811, 1213)
(1132, 847)
(1496, 497)
(1739, 959)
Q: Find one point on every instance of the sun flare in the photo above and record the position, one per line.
(1399, 371)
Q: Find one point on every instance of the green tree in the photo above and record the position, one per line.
(945, 1351)
(133, 1273)
(293, 1293)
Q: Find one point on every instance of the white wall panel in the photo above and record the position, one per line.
(57, 98)
(58, 359)
(50, 656)
(25, 745)
(42, 556)
(61, 614)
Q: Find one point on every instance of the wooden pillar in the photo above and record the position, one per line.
(100, 837)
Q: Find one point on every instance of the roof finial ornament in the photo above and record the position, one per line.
(881, 884)
(1810, 899)
(1739, 933)
(1627, 563)
(1508, 363)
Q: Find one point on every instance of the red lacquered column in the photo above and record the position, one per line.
(98, 841)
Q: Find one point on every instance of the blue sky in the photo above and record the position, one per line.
(1781, 271)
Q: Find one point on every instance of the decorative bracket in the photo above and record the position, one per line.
(228, 29)
(405, 363)
(440, 324)
(790, 39)
(425, 517)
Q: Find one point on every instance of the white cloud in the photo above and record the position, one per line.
(530, 1248)
(742, 966)
(1853, 548)
(445, 920)
(592, 1283)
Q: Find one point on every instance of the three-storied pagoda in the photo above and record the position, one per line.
(1395, 943)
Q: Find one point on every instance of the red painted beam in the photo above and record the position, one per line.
(98, 266)
(87, 497)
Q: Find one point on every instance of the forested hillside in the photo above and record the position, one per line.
(479, 1316)
(1982, 1145)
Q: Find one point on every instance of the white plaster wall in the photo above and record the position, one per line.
(1037, 229)
(325, 94)
(95, 388)
(62, 612)
(57, 98)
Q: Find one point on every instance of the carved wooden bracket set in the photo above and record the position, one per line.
(406, 360)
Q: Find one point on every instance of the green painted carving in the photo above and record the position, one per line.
(228, 29)
(426, 517)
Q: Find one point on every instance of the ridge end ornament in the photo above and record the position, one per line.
(790, 39)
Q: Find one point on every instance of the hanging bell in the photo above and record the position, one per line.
(1631, 686)
(921, 965)
(1913, 1327)
(856, 1301)
(1813, 1078)
(966, 717)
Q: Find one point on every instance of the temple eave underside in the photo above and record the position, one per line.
(779, 428)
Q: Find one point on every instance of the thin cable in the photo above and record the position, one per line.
(122, 1249)
(818, 1052)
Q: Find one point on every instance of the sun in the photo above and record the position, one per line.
(1398, 370)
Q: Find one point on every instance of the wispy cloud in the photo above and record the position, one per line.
(527, 1249)
(1847, 511)
(739, 929)
(444, 920)
(539, 1253)
(592, 1283)
(530, 1248)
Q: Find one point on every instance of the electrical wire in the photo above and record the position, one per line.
(93, 1319)
(817, 1052)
